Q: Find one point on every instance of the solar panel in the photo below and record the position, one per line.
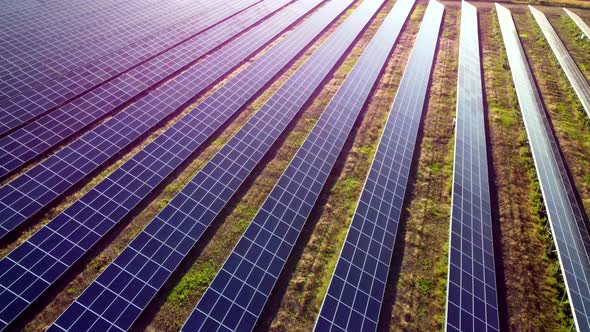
(182, 222)
(355, 294)
(37, 15)
(39, 261)
(472, 299)
(39, 56)
(579, 22)
(573, 73)
(34, 139)
(36, 102)
(43, 15)
(237, 295)
(565, 218)
(27, 194)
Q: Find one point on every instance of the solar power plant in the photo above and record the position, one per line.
(565, 218)
(71, 164)
(35, 102)
(37, 56)
(239, 292)
(325, 165)
(354, 297)
(472, 299)
(53, 128)
(579, 22)
(53, 249)
(190, 213)
(569, 66)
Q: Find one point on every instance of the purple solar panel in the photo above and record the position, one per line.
(36, 102)
(35, 57)
(54, 248)
(24, 196)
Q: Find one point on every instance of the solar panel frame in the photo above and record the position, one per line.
(472, 299)
(566, 221)
(33, 103)
(27, 194)
(55, 247)
(568, 65)
(579, 22)
(188, 215)
(243, 285)
(354, 295)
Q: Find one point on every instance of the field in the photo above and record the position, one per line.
(531, 288)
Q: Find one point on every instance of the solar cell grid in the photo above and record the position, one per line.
(579, 22)
(355, 293)
(65, 239)
(239, 292)
(29, 59)
(568, 227)
(472, 303)
(25, 195)
(185, 218)
(35, 102)
(567, 63)
(50, 22)
(43, 14)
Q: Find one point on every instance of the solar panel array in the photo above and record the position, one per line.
(36, 57)
(472, 299)
(48, 14)
(579, 22)
(569, 66)
(27, 194)
(168, 238)
(34, 139)
(35, 102)
(237, 295)
(29, 269)
(567, 224)
(355, 294)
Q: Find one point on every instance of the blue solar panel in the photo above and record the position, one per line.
(237, 295)
(354, 296)
(43, 54)
(579, 22)
(568, 227)
(472, 299)
(180, 225)
(573, 73)
(55, 247)
(28, 193)
(36, 102)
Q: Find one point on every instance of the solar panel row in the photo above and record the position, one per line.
(36, 102)
(27, 194)
(579, 22)
(240, 290)
(355, 294)
(30, 60)
(472, 299)
(29, 269)
(157, 250)
(567, 224)
(573, 73)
